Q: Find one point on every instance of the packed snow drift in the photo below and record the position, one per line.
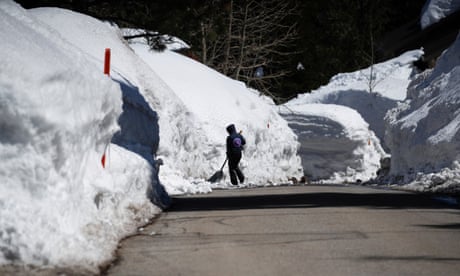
(60, 115)
(59, 206)
(214, 101)
(336, 143)
(372, 96)
(424, 132)
(341, 125)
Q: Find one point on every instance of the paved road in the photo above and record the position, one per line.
(300, 230)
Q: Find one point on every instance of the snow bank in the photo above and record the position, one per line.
(212, 101)
(194, 104)
(57, 114)
(424, 131)
(139, 124)
(389, 84)
(435, 10)
(341, 125)
(336, 143)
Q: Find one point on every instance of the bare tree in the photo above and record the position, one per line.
(371, 79)
(260, 36)
(228, 38)
(246, 37)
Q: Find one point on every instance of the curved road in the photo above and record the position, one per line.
(298, 230)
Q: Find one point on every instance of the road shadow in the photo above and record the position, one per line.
(449, 226)
(377, 200)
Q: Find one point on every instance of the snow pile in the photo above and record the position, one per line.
(389, 83)
(149, 105)
(213, 101)
(58, 113)
(336, 143)
(194, 104)
(340, 125)
(435, 10)
(424, 131)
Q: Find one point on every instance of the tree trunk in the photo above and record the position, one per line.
(203, 44)
(229, 39)
(242, 42)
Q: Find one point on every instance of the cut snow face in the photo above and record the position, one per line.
(389, 83)
(58, 113)
(340, 125)
(424, 132)
(336, 143)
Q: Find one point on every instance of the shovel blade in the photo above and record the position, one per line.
(216, 176)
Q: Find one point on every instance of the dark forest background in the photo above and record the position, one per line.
(281, 48)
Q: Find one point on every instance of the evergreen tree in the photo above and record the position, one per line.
(253, 42)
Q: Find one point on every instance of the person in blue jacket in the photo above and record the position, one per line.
(235, 145)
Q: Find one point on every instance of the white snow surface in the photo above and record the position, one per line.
(389, 85)
(435, 10)
(424, 131)
(341, 125)
(336, 143)
(60, 114)
(214, 101)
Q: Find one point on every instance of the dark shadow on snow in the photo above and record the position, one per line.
(139, 129)
(140, 133)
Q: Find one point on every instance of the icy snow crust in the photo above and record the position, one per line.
(59, 114)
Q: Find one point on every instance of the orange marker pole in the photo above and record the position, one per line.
(107, 62)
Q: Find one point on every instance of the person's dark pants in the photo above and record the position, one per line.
(234, 170)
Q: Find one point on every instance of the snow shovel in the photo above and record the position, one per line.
(219, 174)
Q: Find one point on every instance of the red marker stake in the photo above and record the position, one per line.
(107, 62)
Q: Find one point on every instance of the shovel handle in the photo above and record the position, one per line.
(223, 165)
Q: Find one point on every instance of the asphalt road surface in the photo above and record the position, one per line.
(298, 230)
